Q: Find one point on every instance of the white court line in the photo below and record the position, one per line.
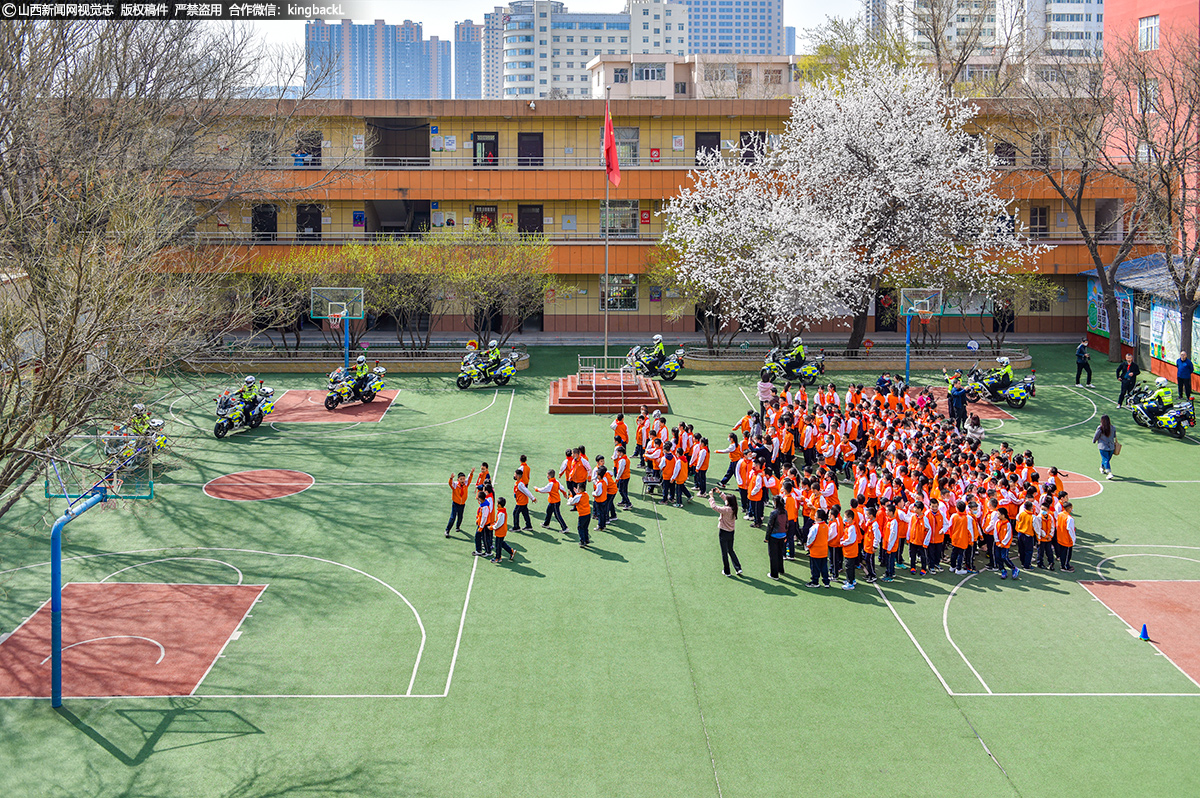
(946, 627)
(747, 398)
(1078, 695)
(904, 626)
(1129, 626)
(462, 621)
(314, 485)
(420, 651)
(173, 559)
(388, 432)
(1095, 410)
(1104, 578)
(232, 634)
(162, 651)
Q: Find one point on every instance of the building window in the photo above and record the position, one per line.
(1147, 96)
(621, 75)
(773, 77)
(1039, 223)
(1005, 153)
(650, 71)
(1039, 149)
(1148, 33)
(621, 293)
(1039, 305)
(681, 88)
(745, 77)
(627, 145)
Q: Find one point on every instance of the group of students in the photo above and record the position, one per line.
(863, 479)
(589, 490)
(851, 482)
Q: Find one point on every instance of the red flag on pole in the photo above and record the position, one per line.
(612, 163)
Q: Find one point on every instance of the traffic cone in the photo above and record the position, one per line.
(1144, 635)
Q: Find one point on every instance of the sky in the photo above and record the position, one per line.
(438, 17)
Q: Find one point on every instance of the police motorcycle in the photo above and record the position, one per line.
(474, 371)
(986, 385)
(233, 415)
(641, 361)
(1176, 419)
(1140, 393)
(127, 448)
(776, 365)
(343, 390)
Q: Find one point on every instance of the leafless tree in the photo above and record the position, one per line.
(1056, 131)
(110, 154)
(1156, 140)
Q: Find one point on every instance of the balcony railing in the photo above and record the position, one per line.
(441, 162)
(345, 237)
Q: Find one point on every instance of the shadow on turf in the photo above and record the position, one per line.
(154, 724)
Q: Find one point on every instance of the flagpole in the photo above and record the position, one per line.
(607, 223)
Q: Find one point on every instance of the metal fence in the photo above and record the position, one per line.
(615, 371)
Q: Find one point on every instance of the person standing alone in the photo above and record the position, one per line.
(727, 510)
(1081, 363)
(1127, 373)
(1183, 376)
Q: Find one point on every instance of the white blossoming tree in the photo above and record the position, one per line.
(873, 174)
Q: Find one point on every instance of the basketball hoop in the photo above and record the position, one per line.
(335, 321)
(925, 316)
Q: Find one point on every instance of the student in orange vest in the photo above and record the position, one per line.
(610, 494)
(501, 531)
(525, 470)
(1065, 525)
(523, 496)
(580, 503)
(776, 536)
(621, 474)
(620, 431)
(1026, 542)
(734, 456)
(483, 524)
(850, 543)
(458, 500)
(868, 531)
(681, 475)
(960, 537)
(890, 542)
(597, 493)
(1044, 529)
(700, 461)
(553, 493)
(1003, 535)
(818, 551)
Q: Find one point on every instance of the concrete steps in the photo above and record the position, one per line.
(607, 396)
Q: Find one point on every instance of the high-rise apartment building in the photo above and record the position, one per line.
(376, 61)
(545, 48)
(468, 61)
(746, 27)
(1065, 28)
(493, 53)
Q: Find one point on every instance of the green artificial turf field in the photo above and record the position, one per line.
(385, 660)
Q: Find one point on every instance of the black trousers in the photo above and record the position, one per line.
(1045, 554)
(501, 545)
(483, 540)
(1064, 555)
(1082, 367)
(1025, 544)
(702, 481)
(518, 511)
(552, 511)
(775, 553)
(726, 539)
(1126, 387)
(1185, 388)
(456, 516)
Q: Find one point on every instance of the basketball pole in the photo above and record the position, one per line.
(100, 495)
(346, 339)
(907, 345)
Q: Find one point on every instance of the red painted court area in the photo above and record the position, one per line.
(1170, 611)
(253, 486)
(1078, 486)
(308, 407)
(982, 408)
(126, 639)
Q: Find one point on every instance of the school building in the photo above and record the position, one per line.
(402, 167)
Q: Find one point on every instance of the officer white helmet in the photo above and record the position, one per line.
(1003, 361)
(249, 380)
(361, 359)
(797, 341)
(139, 408)
(658, 339)
(657, 414)
(1161, 382)
(492, 344)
